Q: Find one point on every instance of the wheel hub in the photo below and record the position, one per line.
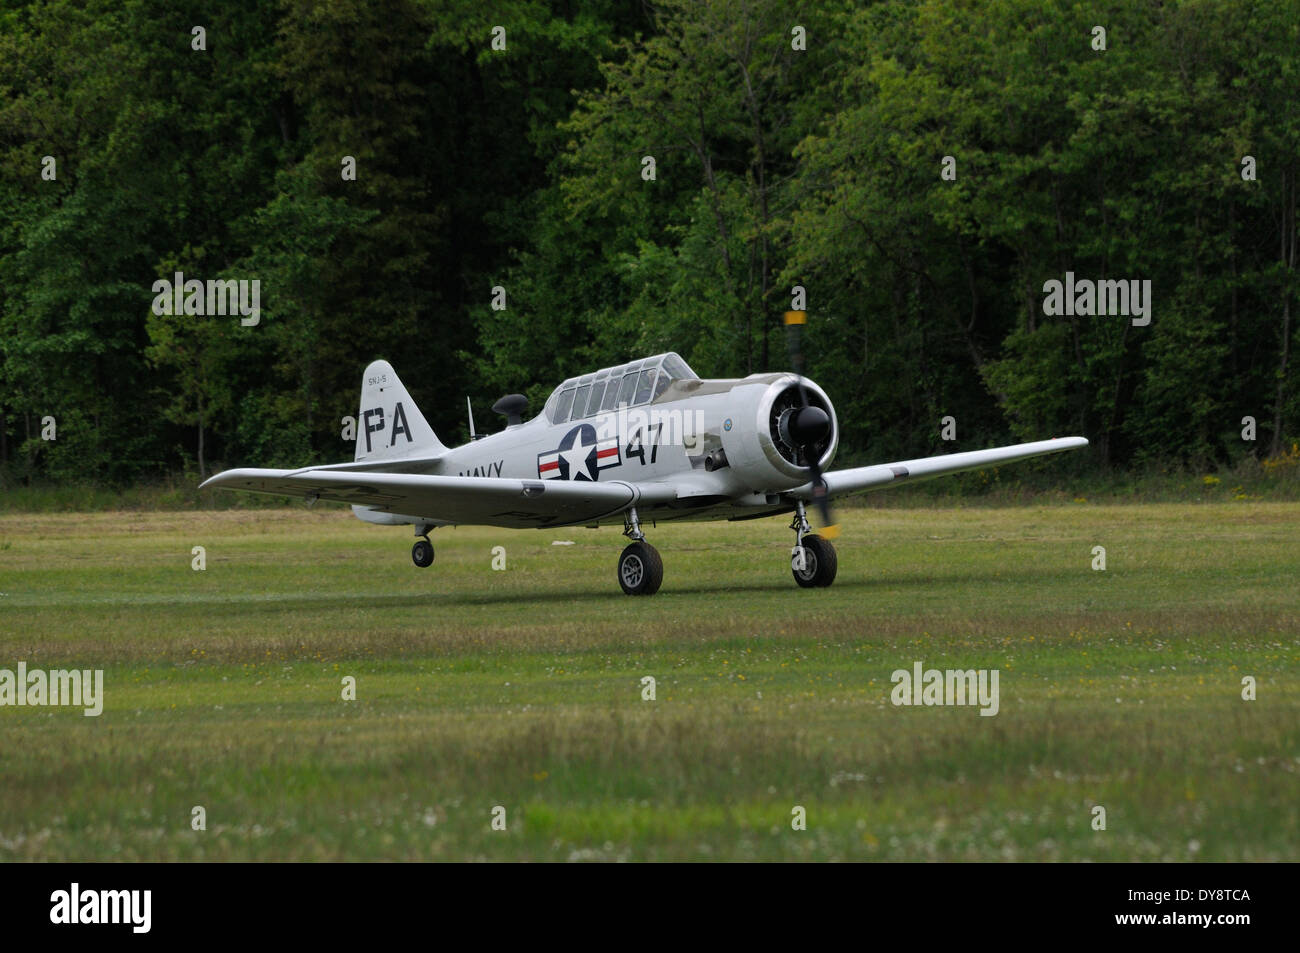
(809, 563)
(633, 570)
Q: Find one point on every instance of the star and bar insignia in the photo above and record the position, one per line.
(580, 456)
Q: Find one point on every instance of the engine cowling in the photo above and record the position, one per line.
(762, 446)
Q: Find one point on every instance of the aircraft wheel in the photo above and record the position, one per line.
(422, 553)
(640, 570)
(820, 563)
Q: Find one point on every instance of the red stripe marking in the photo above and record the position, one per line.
(612, 451)
(549, 466)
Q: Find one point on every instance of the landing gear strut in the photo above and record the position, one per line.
(640, 570)
(812, 561)
(422, 551)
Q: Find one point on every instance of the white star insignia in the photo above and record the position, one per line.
(577, 460)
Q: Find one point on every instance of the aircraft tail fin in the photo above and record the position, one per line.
(389, 425)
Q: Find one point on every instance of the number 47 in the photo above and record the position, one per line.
(635, 449)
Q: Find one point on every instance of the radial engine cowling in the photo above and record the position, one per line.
(773, 438)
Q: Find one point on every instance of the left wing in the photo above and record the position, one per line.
(839, 482)
(489, 501)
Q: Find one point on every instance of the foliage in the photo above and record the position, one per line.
(522, 167)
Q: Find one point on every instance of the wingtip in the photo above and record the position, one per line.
(212, 480)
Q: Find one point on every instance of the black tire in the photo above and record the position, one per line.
(422, 553)
(820, 563)
(640, 570)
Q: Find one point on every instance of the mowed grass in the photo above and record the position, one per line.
(522, 689)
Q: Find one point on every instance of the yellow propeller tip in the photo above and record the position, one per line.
(831, 532)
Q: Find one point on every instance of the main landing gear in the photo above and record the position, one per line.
(422, 551)
(812, 561)
(640, 570)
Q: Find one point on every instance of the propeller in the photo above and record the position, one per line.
(807, 426)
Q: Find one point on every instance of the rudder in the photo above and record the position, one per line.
(389, 424)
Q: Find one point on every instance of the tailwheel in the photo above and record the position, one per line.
(422, 553)
(640, 570)
(818, 564)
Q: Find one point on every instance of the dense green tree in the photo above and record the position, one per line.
(504, 145)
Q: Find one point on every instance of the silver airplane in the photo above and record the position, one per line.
(644, 442)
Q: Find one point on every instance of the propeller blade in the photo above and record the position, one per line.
(809, 425)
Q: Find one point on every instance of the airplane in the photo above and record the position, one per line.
(646, 441)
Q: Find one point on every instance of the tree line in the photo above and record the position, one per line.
(496, 197)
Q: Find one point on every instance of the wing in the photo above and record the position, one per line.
(489, 501)
(889, 474)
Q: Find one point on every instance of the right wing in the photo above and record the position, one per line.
(853, 480)
(487, 501)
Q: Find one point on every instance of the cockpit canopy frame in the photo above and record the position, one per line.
(631, 384)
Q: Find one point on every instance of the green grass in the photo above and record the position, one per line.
(522, 689)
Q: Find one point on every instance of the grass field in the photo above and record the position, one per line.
(522, 689)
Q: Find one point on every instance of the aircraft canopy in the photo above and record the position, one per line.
(634, 383)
